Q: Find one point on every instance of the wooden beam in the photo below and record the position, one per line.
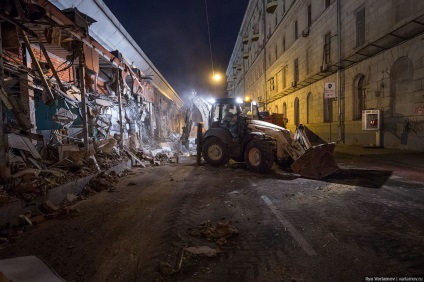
(4, 162)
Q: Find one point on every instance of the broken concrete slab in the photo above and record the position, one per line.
(29, 268)
(23, 143)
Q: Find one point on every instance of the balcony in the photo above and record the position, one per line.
(271, 5)
(245, 39)
(245, 54)
(239, 67)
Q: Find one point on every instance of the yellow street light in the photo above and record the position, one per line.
(217, 77)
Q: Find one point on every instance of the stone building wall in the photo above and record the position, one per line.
(387, 71)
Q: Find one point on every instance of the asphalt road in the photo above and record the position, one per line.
(358, 223)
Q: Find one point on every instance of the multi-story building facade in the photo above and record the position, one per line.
(371, 52)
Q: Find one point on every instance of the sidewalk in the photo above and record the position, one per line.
(401, 162)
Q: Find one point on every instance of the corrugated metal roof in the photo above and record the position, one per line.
(112, 35)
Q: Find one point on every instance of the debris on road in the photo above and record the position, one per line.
(165, 269)
(202, 251)
(215, 232)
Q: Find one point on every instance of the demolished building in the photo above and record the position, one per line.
(67, 95)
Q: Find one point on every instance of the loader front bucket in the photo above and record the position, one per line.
(317, 162)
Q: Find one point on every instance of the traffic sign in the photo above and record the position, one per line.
(329, 90)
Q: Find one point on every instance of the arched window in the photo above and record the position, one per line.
(276, 109)
(402, 86)
(296, 112)
(358, 97)
(309, 114)
(285, 109)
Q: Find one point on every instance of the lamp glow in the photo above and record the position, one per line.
(217, 77)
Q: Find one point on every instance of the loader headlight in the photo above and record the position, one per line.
(239, 101)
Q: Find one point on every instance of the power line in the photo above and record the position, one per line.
(209, 34)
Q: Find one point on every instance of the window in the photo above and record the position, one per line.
(309, 108)
(358, 96)
(284, 77)
(276, 109)
(276, 52)
(284, 43)
(296, 70)
(327, 3)
(309, 15)
(327, 48)
(271, 84)
(296, 112)
(284, 6)
(296, 31)
(360, 27)
(285, 109)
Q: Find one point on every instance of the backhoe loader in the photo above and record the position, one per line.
(235, 131)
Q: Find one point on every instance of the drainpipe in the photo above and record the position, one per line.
(339, 73)
(264, 46)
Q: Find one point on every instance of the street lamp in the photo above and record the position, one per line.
(217, 77)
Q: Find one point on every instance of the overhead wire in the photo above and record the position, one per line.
(209, 35)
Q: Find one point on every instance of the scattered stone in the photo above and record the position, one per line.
(49, 206)
(25, 219)
(222, 241)
(5, 199)
(165, 268)
(132, 184)
(37, 220)
(220, 230)
(27, 187)
(203, 251)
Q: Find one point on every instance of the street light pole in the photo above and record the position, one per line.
(339, 74)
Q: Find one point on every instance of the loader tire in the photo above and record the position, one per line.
(215, 152)
(259, 156)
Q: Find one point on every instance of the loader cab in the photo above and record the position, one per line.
(227, 111)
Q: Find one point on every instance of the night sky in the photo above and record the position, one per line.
(174, 36)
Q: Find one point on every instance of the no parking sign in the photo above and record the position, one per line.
(329, 90)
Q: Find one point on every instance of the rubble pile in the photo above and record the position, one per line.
(36, 215)
(33, 217)
(103, 181)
